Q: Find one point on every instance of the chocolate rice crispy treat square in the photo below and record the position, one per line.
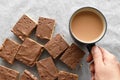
(28, 76)
(9, 50)
(29, 52)
(45, 28)
(24, 27)
(8, 74)
(47, 69)
(63, 75)
(56, 46)
(71, 57)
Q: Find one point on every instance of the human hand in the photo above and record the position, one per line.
(105, 66)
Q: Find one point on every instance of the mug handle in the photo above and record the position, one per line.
(89, 46)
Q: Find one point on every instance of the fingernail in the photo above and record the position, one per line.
(95, 49)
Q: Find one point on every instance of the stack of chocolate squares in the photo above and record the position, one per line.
(29, 51)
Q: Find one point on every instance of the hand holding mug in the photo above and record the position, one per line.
(105, 65)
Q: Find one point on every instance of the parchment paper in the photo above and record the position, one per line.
(61, 11)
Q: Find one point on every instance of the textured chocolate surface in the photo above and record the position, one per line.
(71, 57)
(56, 46)
(8, 74)
(24, 27)
(9, 50)
(67, 76)
(28, 76)
(29, 52)
(47, 69)
(45, 28)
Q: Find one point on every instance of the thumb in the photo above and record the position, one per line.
(97, 56)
